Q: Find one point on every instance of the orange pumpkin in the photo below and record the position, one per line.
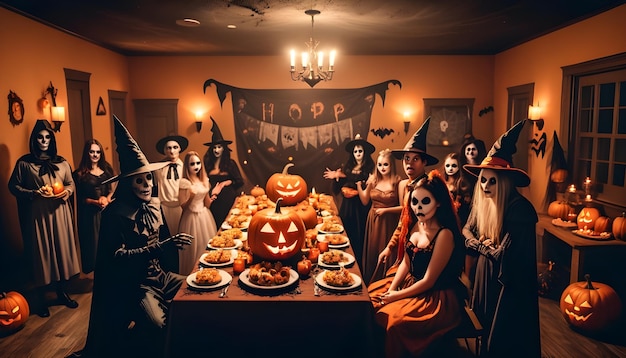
(560, 210)
(558, 176)
(275, 234)
(619, 227)
(590, 306)
(307, 213)
(602, 224)
(14, 311)
(257, 191)
(292, 188)
(587, 218)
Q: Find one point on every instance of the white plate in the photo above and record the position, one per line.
(226, 278)
(560, 223)
(320, 281)
(243, 277)
(226, 226)
(322, 237)
(329, 232)
(233, 254)
(602, 236)
(238, 244)
(349, 260)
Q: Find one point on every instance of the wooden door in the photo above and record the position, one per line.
(520, 97)
(156, 118)
(79, 111)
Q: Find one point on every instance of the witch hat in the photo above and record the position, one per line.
(558, 161)
(417, 144)
(182, 141)
(217, 136)
(500, 157)
(367, 146)
(132, 159)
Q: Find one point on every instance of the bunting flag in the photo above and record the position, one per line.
(308, 127)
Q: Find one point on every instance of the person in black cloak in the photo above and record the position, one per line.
(46, 219)
(224, 175)
(501, 229)
(131, 292)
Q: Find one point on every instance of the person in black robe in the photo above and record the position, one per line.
(501, 230)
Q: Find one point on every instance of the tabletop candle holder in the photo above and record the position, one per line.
(239, 265)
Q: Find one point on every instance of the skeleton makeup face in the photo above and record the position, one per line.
(43, 140)
(451, 166)
(488, 181)
(423, 204)
(383, 165)
(94, 153)
(358, 153)
(218, 149)
(172, 150)
(195, 164)
(471, 152)
(142, 185)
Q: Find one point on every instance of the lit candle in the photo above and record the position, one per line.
(331, 60)
(572, 188)
(587, 185)
(588, 198)
(239, 265)
(305, 60)
(314, 253)
(320, 59)
(292, 54)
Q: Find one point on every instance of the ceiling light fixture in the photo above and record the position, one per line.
(312, 70)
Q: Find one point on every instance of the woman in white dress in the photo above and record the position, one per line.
(196, 219)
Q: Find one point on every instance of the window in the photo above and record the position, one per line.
(597, 127)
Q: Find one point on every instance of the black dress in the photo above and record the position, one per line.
(224, 202)
(89, 186)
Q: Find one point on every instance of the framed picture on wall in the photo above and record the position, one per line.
(450, 120)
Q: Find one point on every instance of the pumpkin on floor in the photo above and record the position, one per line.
(14, 311)
(275, 234)
(587, 218)
(590, 306)
(292, 188)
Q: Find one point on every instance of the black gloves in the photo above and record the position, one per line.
(150, 250)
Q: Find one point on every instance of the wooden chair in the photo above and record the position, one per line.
(470, 326)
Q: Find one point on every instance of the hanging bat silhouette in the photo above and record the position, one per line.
(485, 111)
(382, 132)
(539, 146)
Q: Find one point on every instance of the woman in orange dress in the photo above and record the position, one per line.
(422, 302)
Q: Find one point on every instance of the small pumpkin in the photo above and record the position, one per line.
(619, 227)
(560, 210)
(292, 188)
(307, 213)
(14, 311)
(257, 191)
(590, 306)
(602, 224)
(275, 234)
(587, 218)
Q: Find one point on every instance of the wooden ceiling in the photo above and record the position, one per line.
(272, 27)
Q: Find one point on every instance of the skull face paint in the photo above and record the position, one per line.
(43, 140)
(451, 166)
(142, 185)
(488, 181)
(471, 152)
(423, 204)
(358, 153)
(218, 149)
(195, 164)
(172, 150)
(94, 153)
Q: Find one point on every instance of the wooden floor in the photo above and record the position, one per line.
(66, 329)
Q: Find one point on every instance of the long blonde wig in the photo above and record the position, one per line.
(487, 214)
(201, 175)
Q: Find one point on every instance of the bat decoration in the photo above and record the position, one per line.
(485, 111)
(539, 145)
(382, 132)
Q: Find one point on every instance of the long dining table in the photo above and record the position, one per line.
(301, 320)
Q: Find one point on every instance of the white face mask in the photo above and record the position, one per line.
(471, 152)
(451, 166)
(383, 166)
(172, 150)
(43, 140)
(195, 165)
(423, 204)
(358, 152)
(488, 181)
(94, 153)
(218, 150)
(142, 185)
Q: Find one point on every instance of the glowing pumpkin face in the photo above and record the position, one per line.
(276, 235)
(292, 188)
(587, 218)
(14, 311)
(590, 306)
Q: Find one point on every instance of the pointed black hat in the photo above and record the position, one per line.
(417, 144)
(132, 159)
(367, 146)
(182, 141)
(217, 136)
(500, 157)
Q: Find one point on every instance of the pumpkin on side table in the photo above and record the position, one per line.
(590, 306)
(619, 227)
(14, 312)
(560, 210)
(587, 218)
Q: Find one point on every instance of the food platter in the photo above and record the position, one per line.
(319, 279)
(238, 244)
(566, 224)
(322, 237)
(233, 255)
(319, 229)
(226, 226)
(226, 278)
(243, 278)
(348, 261)
(594, 236)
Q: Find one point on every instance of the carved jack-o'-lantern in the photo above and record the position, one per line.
(587, 218)
(14, 311)
(275, 234)
(292, 188)
(590, 306)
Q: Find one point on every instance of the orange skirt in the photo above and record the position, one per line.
(412, 324)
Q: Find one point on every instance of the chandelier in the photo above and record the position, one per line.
(312, 70)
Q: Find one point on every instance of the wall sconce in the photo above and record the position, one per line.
(534, 113)
(407, 123)
(58, 117)
(198, 121)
